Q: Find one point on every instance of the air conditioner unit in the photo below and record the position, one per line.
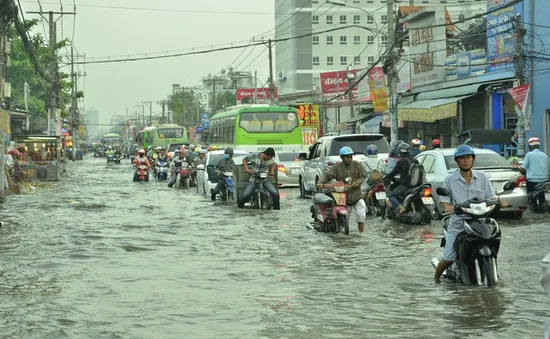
(7, 90)
(281, 74)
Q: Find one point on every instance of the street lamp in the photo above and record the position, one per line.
(351, 77)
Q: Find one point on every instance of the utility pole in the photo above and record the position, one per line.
(212, 109)
(255, 101)
(150, 111)
(521, 79)
(392, 74)
(74, 122)
(53, 69)
(271, 84)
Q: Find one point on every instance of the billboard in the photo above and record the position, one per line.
(465, 64)
(501, 38)
(378, 89)
(205, 120)
(308, 114)
(333, 83)
(428, 46)
(246, 95)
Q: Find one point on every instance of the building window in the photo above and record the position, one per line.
(315, 40)
(330, 61)
(356, 1)
(342, 19)
(357, 19)
(343, 60)
(444, 1)
(384, 18)
(370, 59)
(370, 19)
(329, 39)
(384, 40)
(343, 40)
(357, 60)
(329, 19)
(315, 19)
(314, 1)
(315, 61)
(370, 40)
(356, 40)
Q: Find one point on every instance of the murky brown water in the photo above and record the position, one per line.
(99, 256)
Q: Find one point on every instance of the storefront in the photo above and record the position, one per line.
(42, 156)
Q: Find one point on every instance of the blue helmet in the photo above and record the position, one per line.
(464, 150)
(372, 149)
(346, 150)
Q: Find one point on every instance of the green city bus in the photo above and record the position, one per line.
(111, 139)
(161, 135)
(253, 128)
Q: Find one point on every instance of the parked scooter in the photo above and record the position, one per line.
(227, 193)
(162, 168)
(143, 173)
(477, 247)
(329, 210)
(533, 197)
(419, 207)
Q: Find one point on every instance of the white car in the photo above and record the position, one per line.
(206, 175)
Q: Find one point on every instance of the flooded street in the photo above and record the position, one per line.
(98, 256)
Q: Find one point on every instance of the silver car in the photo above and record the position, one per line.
(439, 163)
(288, 166)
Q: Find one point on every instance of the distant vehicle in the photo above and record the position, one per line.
(253, 128)
(438, 163)
(288, 165)
(161, 135)
(111, 139)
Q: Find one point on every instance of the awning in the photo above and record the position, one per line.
(359, 117)
(429, 110)
(372, 125)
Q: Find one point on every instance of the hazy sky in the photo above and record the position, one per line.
(113, 88)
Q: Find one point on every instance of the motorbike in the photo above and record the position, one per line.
(227, 193)
(184, 177)
(329, 210)
(533, 197)
(261, 199)
(419, 207)
(117, 159)
(98, 153)
(111, 159)
(162, 168)
(377, 205)
(477, 247)
(142, 172)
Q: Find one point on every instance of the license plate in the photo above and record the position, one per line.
(380, 195)
(428, 200)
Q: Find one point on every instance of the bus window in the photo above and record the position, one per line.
(170, 133)
(273, 122)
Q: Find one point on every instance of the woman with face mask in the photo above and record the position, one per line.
(224, 165)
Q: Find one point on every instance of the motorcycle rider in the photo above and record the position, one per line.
(260, 162)
(372, 160)
(415, 148)
(353, 173)
(196, 162)
(436, 143)
(464, 185)
(224, 165)
(536, 167)
(141, 159)
(109, 151)
(402, 168)
(393, 156)
(176, 165)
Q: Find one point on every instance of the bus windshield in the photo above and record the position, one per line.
(169, 133)
(269, 122)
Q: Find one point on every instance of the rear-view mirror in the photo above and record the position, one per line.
(509, 186)
(441, 191)
(302, 156)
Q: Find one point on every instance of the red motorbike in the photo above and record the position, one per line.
(376, 205)
(184, 177)
(329, 209)
(142, 172)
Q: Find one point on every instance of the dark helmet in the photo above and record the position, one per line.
(270, 152)
(464, 150)
(228, 150)
(404, 148)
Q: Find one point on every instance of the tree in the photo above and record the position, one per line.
(223, 100)
(186, 107)
(21, 70)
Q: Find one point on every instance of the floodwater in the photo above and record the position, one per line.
(98, 256)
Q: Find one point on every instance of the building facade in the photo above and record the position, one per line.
(92, 121)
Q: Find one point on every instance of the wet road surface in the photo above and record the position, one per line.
(98, 256)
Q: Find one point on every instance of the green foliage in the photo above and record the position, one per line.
(184, 106)
(223, 100)
(21, 70)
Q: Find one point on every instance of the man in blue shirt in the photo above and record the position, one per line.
(536, 167)
(464, 185)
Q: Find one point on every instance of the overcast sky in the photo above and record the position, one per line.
(100, 32)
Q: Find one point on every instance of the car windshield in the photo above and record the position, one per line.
(291, 156)
(487, 160)
(359, 143)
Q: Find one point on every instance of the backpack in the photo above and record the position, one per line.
(416, 174)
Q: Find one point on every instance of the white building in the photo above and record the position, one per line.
(298, 62)
(92, 121)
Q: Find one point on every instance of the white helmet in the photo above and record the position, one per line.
(415, 142)
(158, 148)
(534, 141)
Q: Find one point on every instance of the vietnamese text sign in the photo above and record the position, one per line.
(378, 89)
(309, 136)
(308, 114)
(520, 94)
(249, 93)
(501, 39)
(336, 82)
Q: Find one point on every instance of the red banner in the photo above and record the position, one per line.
(263, 93)
(519, 94)
(336, 82)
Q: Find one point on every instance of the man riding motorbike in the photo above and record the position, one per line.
(536, 167)
(196, 162)
(464, 185)
(415, 148)
(436, 143)
(176, 165)
(109, 151)
(139, 160)
(402, 168)
(353, 173)
(260, 162)
(393, 156)
(224, 165)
